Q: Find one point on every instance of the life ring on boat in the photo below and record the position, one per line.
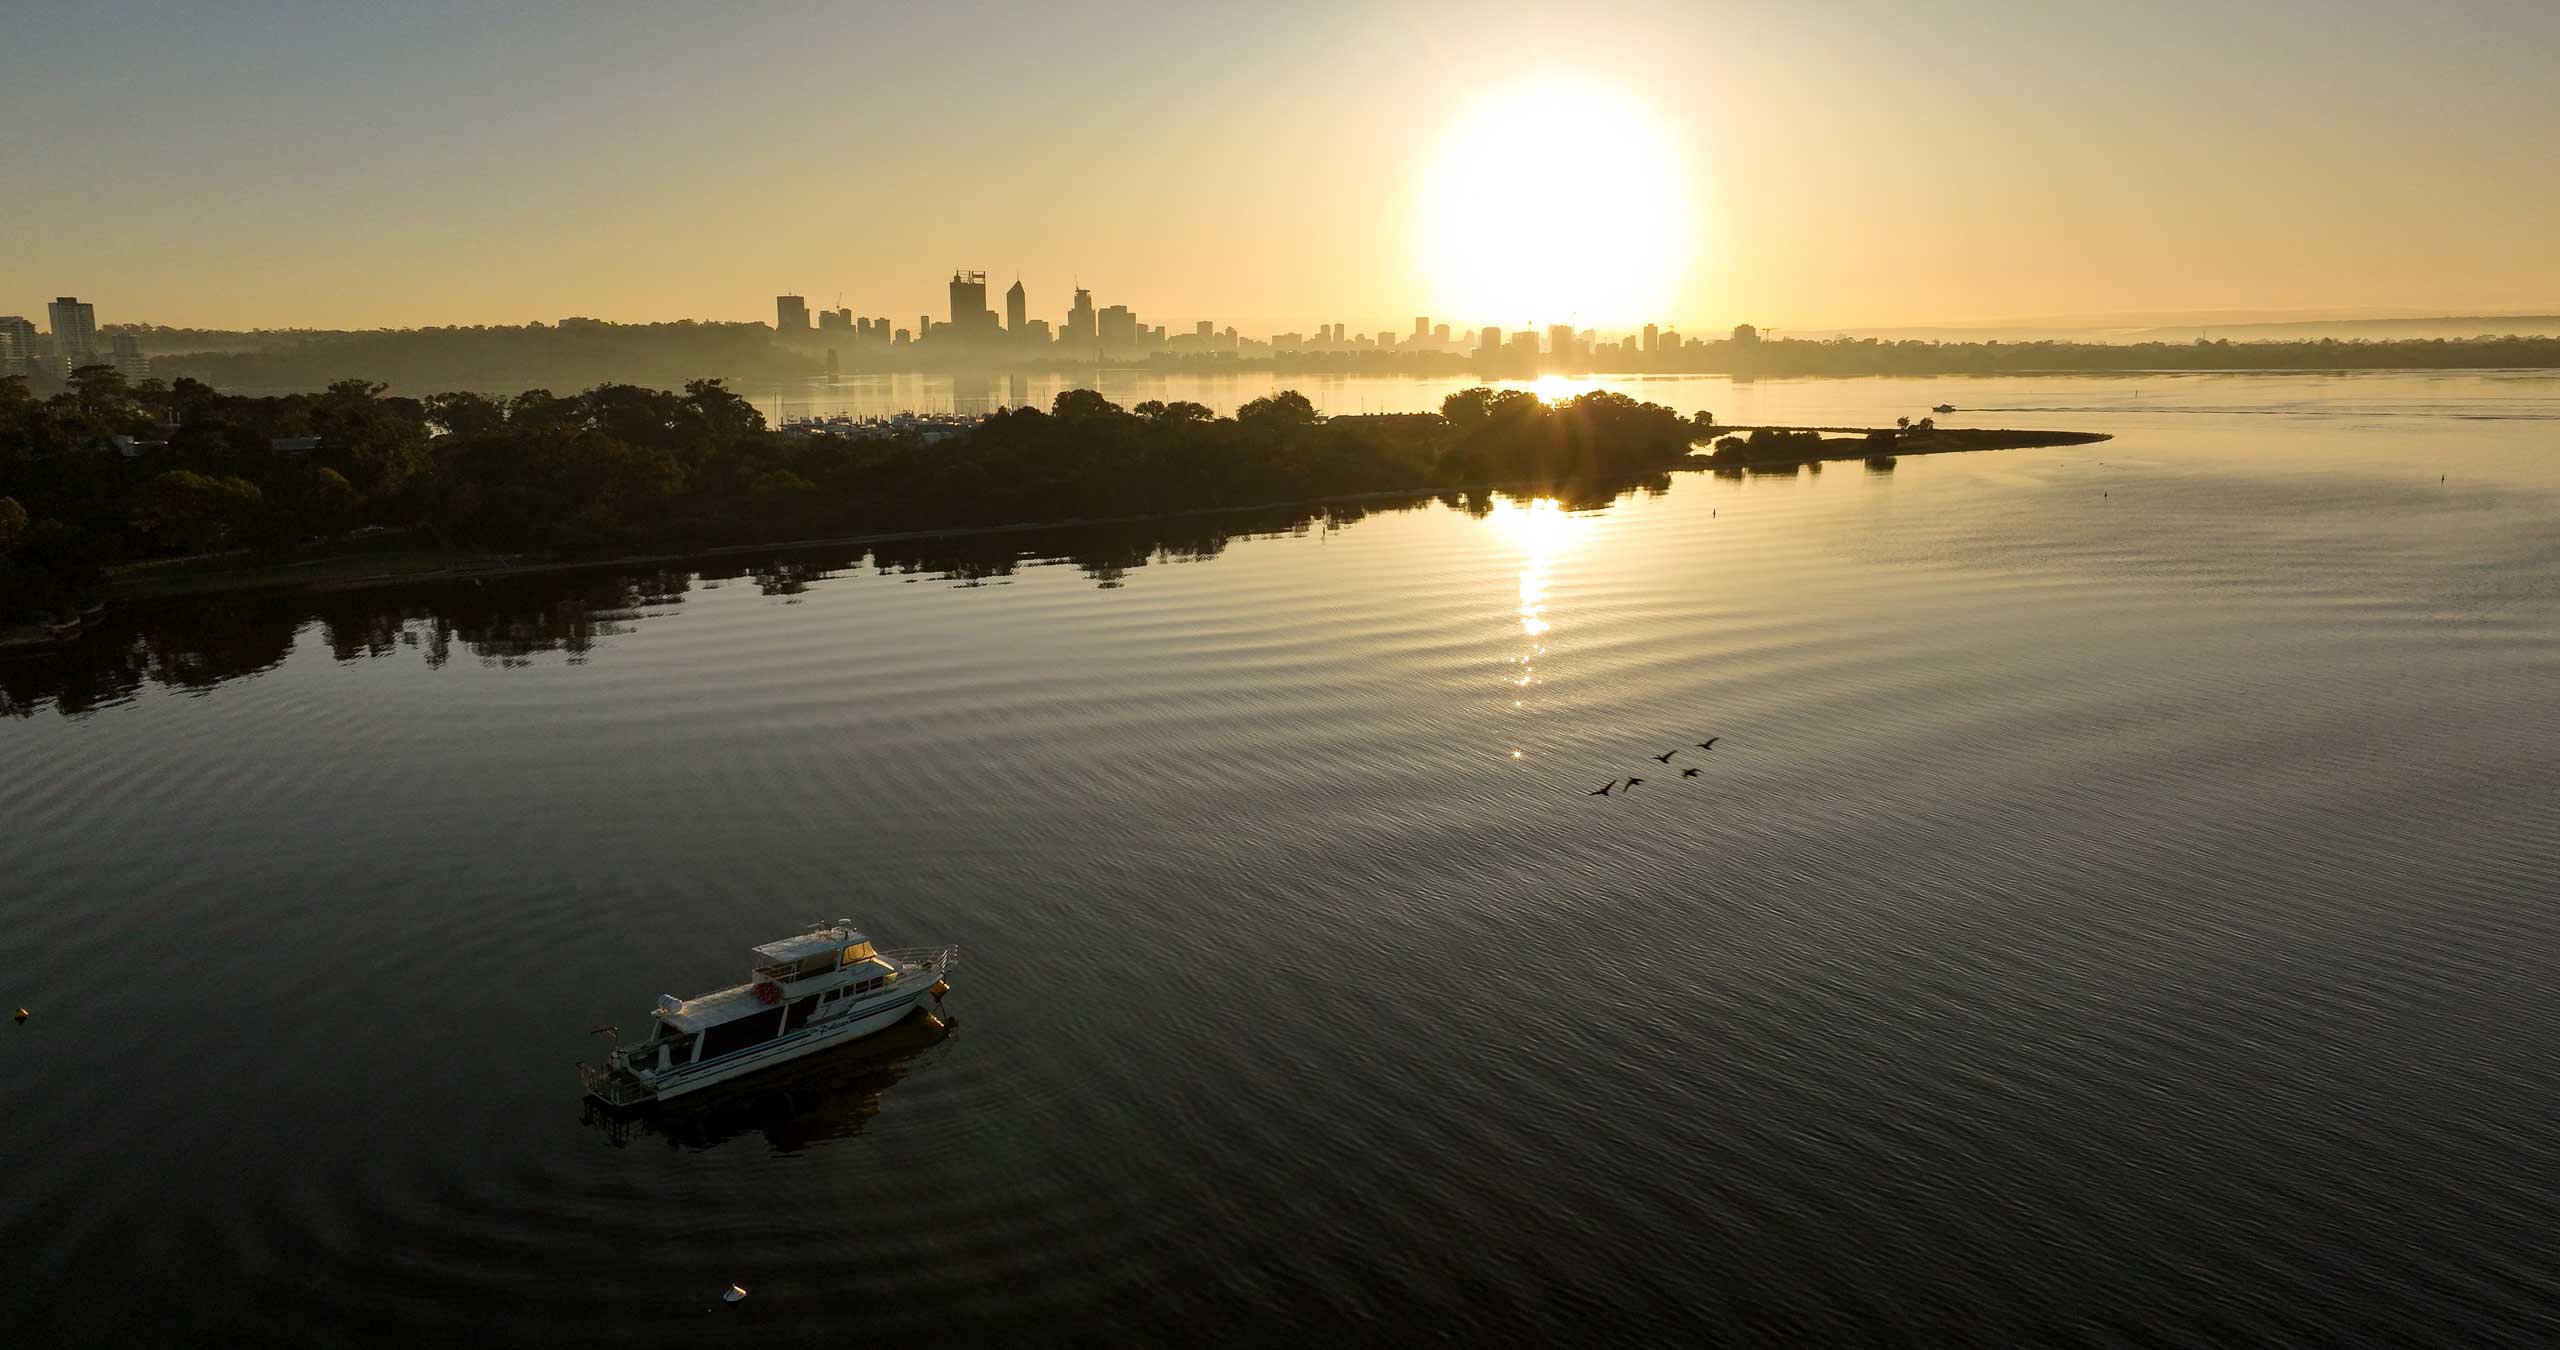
(768, 993)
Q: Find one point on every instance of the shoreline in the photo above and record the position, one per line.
(275, 578)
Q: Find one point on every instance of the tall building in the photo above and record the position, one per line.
(1017, 308)
(1440, 334)
(1080, 320)
(1422, 325)
(1118, 327)
(1489, 339)
(790, 314)
(17, 346)
(124, 352)
(969, 313)
(1560, 339)
(75, 331)
(1652, 335)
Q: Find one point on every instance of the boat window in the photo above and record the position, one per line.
(682, 1053)
(667, 1032)
(829, 996)
(800, 1013)
(740, 1033)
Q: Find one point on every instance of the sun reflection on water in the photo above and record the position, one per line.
(1545, 532)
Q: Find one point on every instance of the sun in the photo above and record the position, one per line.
(1557, 204)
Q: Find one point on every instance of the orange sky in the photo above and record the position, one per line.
(1285, 166)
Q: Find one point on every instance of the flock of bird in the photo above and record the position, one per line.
(1663, 759)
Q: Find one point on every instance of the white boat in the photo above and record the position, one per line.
(823, 988)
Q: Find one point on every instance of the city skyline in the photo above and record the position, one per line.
(1702, 165)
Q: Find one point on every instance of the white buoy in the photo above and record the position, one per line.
(736, 1292)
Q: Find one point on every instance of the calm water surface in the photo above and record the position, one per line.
(2119, 910)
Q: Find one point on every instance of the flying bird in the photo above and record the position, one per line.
(1631, 783)
(1604, 789)
(1664, 757)
(1709, 743)
(1688, 773)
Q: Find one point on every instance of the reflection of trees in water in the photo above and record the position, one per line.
(512, 621)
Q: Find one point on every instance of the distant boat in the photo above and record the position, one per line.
(822, 988)
(1944, 407)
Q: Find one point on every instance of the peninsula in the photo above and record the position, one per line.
(108, 490)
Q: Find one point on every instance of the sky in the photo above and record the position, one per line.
(1796, 165)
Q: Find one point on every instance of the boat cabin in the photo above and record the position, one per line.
(795, 980)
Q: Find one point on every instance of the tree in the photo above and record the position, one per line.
(466, 414)
(13, 522)
(1282, 411)
(725, 415)
(1468, 407)
(100, 389)
(189, 512)
(1082, 405)
(1175, 413)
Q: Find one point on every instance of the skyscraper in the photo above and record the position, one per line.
(1017, 308)
(1560, 339)
(970, 316)
(790, 314)
(1118, 327)
(17, 346)
(1422, 325)
(1652, 336)
(1489, 339)
(124, 352)
(75, 331)
(1080, 321)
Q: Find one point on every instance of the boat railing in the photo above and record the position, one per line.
(614, 1089)
(933, 960)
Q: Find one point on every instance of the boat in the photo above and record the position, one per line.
(833, 1094)
(1944, 407)
(826, 987)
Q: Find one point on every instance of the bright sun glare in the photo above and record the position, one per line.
(1557, 204)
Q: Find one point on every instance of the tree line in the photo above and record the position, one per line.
(104, 472)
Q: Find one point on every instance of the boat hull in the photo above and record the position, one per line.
(889, 1012)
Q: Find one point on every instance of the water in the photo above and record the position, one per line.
(2118, 910)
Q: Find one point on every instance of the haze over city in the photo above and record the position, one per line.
(239, 166)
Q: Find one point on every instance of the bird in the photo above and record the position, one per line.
(1631, 783)
(1604, 789)
(1664, 757)
(1709, 743)
(1688, 773)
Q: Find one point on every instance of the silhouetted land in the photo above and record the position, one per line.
(351, 486)
(579, 355)
(1748, 446)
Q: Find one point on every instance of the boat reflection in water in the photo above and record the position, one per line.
(829, 1095)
